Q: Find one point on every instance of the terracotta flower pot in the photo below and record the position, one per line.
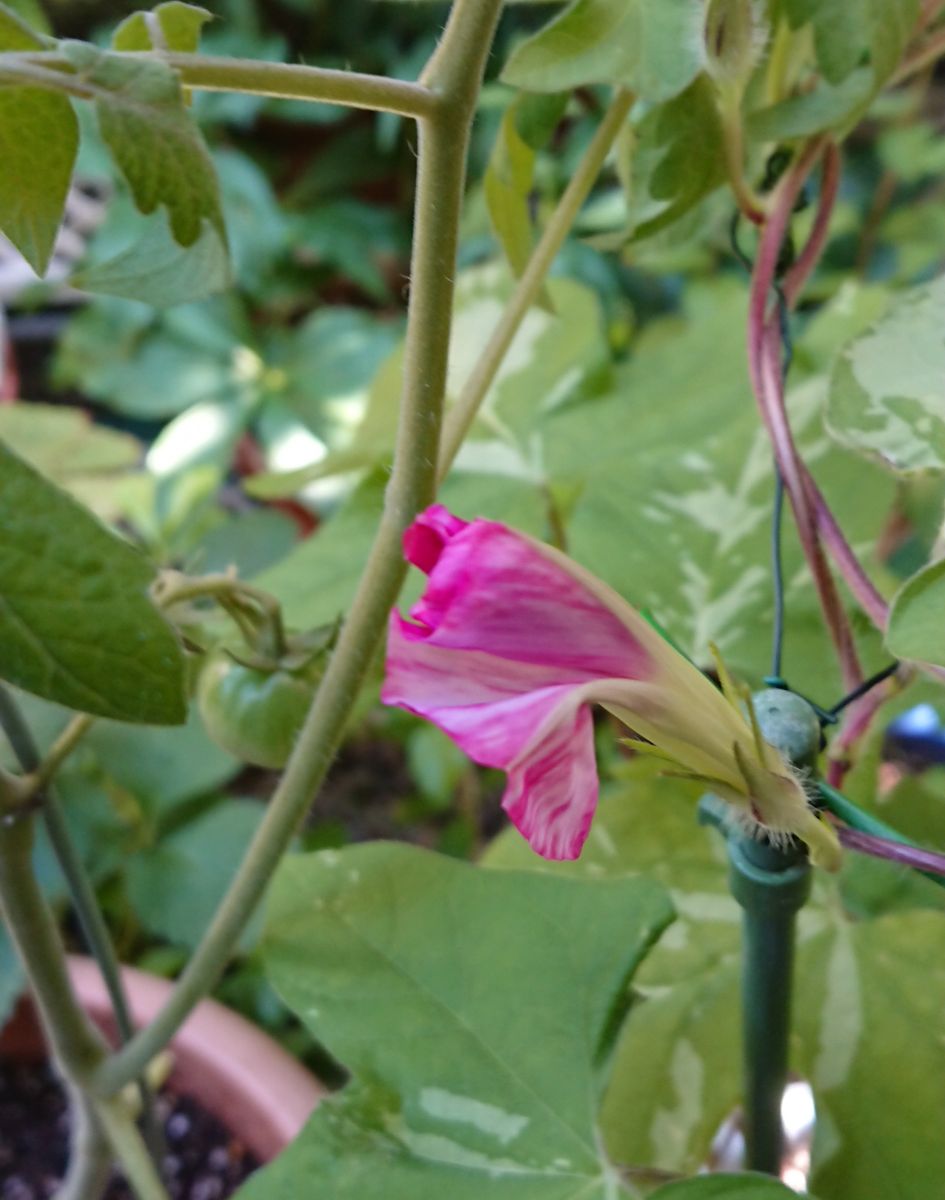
(258, 1092)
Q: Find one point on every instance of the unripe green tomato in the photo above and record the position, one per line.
(256, 715)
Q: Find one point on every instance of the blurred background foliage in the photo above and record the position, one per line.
(251, 429)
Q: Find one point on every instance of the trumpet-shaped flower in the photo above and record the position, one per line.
(508, 648)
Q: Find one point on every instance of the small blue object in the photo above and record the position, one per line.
(917, 737)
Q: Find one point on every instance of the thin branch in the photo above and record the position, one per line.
(857, 722)
(282, 81)
(293, 82)
(790, 465)
(856, 579)
(59, 751)
(809, 256)
(929, 863)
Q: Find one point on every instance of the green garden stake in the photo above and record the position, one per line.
(771, 884)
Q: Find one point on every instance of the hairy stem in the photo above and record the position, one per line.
(283, 81)
(455, 72)
(295, 82)
(461, 416)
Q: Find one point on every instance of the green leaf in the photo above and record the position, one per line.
(164, 770)
(76, 624)
(824, 107)
(15, 32)
(859, 44)
(248, 542)
(179, 27)
(672, 483)
(39, 139)
(725, 1187)
(886, 391)
(849, 33)
(315, 583)
(94, 464)
(916, 627)
(175, 886)
(654, 47)
(159, 271)
(489, 998)
(327, 364)
(120, 354)
(678, 159)
(154, 141)
(526, 127)
(552, 357)
(26, 12)
(64, 443)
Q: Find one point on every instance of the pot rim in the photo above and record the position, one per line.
(260, 1093)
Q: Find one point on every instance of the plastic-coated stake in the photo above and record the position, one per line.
(771, 884)
(770, 892)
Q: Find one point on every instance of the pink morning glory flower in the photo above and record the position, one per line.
(510, 646)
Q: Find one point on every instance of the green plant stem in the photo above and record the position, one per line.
(455, 72)
(76, 1047)
(74, 1043)
(282, 81)
(90, 1157)
(295, 82)
(89, 915)
(749, 203)
(80, 887)
(46, 767)
(463, 413)
(130, 1150)
(241, 601)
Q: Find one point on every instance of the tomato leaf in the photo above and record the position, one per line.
(76, 623)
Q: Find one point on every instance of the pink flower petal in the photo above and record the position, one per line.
(426, 537)
(551, 794)
(493, 590)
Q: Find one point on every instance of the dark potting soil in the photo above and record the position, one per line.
(203, 1161)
